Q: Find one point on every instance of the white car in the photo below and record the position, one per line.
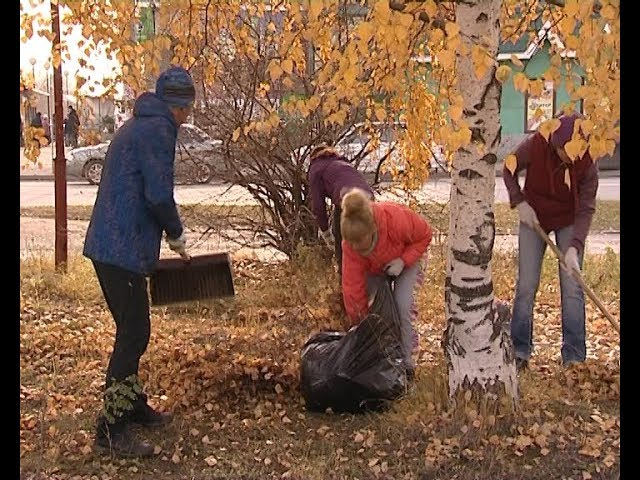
(356, 143)
(198, 156)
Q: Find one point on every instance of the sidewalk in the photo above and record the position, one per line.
(37, 237)
(31, 171)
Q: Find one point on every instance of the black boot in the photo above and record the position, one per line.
(146, 416)
(521, 364)
(118, 440)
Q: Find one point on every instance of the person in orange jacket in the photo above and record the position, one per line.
(379, 240)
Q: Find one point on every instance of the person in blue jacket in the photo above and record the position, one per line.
(133, 208)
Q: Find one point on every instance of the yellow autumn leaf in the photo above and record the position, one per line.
(478, 57)
(536, 87)
(381, 113)
(609, 12)
(405, 21)
(274, 120)
(511, 162)
(302, 107)
(315, 7)
(547, 127)
(575, 148)
(275, 72)
(313, 102)
(460, 138)
(287, 83)
(236, 135)
(287, 65)
(572, 42)
(382, 11)
(452, 29)
(568, 108)
(567, 25)
(350, 74)
(365, 31)
(520, 82)
(431, 8)
(567, 178)
(503, 73)
(455, 112)
(447, 58)
(516, 61)
(571, 8)
(437, 36)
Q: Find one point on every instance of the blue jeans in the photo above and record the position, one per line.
(531, 248)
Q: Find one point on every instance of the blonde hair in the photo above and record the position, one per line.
(356, 219)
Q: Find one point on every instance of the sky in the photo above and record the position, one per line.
(40, 48)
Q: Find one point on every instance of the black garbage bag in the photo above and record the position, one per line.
(360, 370)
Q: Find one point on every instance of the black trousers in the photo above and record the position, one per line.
(126, 295)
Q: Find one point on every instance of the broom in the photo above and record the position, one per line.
(187, 279)
(578, 277)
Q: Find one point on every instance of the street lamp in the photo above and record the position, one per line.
(33, 61)
(154, 8)
(47, 65)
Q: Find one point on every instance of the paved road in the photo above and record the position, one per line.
(41, 193)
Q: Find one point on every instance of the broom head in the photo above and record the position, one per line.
(202, 277)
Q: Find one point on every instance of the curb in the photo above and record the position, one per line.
(35, 178)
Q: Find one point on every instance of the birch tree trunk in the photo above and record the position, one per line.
(477, 341)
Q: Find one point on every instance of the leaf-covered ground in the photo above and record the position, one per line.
(605, 219)
(229, 372)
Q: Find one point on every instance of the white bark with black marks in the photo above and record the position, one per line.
(477, 341)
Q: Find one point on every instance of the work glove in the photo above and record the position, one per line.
(178, 245)
(394, 267)
(527, 214)
(571, 259)
(328, 238)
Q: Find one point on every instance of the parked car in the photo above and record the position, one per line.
(197, 158)
(356, 140)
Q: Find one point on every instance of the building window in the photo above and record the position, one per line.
(539, 108)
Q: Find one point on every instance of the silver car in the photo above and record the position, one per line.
(198, 156)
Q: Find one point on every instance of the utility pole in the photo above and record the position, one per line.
(60, 162)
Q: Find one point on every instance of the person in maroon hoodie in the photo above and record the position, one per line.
(567, 210)
(331, 176)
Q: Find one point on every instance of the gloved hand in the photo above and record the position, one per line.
(394, 267)
(571, 259)
(179, 244)
(527, 214)
(328, 238)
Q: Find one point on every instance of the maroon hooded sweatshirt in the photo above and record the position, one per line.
(556, 205)
(330, 175)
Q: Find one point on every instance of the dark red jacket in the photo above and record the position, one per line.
(556, 205)
(331, 176)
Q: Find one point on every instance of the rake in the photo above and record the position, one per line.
(578, 278)
(187, 279)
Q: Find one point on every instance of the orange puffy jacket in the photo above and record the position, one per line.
(401, 233)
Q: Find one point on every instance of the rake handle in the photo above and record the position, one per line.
(577, 276)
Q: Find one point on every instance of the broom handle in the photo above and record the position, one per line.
(576, 275)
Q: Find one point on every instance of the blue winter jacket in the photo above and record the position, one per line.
(135, 201)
